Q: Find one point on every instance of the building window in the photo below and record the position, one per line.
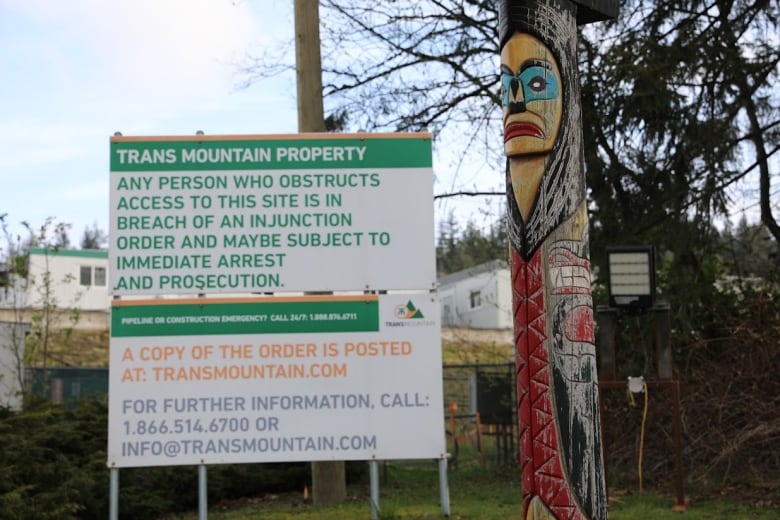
(5, 284)
(87, 278)
(85, 275)
(100, 276)
(475, 299)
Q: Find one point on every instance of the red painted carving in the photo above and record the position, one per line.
(540, 462)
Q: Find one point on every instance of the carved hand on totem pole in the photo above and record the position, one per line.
(557, 387)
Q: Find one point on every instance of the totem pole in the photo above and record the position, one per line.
(557, 387)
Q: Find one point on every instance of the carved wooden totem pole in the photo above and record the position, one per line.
(558, 412)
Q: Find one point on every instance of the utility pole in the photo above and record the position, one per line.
(328, 477)
(308, 66)
(561, 459)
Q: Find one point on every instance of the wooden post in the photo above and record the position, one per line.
(308, 67)
(606, 320)
(328, 478)
(663, 341)
(561, 460)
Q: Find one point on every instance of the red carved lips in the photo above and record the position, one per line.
(522, 130)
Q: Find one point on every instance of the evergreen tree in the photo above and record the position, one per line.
(457, 250)
(748, 251)
(94, 238)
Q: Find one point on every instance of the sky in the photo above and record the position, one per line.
(75, 72)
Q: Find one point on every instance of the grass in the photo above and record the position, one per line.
(465, 346)
(651, 506)
(479, 490)
(70, 347)
(409, 491)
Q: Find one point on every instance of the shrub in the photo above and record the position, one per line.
(53, 466)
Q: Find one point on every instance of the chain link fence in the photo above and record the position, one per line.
(480, 412)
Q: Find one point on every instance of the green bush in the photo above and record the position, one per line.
(53, 466)
(44, 465)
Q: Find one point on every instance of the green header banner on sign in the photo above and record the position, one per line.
(271, 153)
(272, 317)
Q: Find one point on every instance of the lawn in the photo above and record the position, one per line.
(409, 491)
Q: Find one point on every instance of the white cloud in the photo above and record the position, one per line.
(78, 70)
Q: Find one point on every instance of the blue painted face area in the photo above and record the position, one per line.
(535, 77)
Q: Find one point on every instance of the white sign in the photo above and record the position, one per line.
(275, 379)
(309, 212)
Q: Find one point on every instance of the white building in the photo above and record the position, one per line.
(67, 279)
(477, 298)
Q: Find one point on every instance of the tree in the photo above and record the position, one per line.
(13, 287)
(671, 96)
(31, 299)
(678, 97)
(50, 237)
(94, 238)
(460, 249)
(748, 251)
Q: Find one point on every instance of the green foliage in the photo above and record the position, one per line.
(749, 251)
(50, 235)
(460, 249)
(43, 465)
(94, 238)
(13, 258)
(53, 466)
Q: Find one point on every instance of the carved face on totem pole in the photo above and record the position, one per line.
(532, 101)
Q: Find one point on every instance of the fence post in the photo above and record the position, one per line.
(113, 513)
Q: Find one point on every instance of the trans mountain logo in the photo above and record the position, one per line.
(407, 312)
